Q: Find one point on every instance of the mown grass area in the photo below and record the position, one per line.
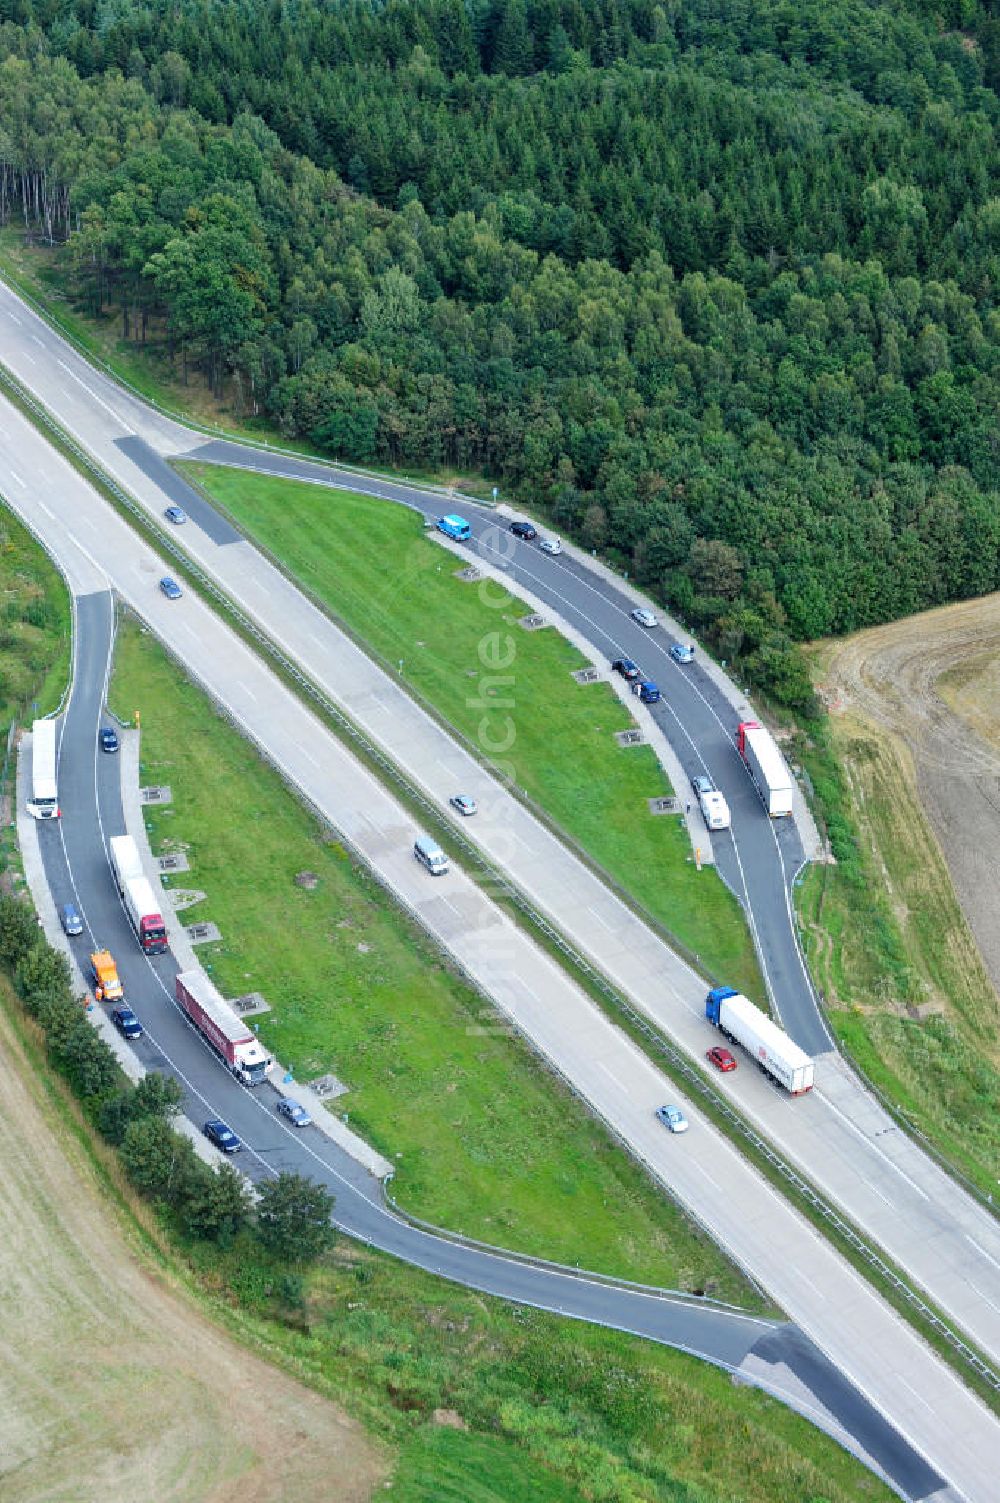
(891, 952)
(35, 645)
(485, 1140)
(368, 563)
(35, 626)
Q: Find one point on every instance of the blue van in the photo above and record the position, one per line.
(455, 527)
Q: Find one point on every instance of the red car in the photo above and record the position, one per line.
(721, 1058)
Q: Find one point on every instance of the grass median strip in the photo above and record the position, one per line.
(367, 562)
(485, 1140)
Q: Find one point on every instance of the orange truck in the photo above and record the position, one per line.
(106, 976)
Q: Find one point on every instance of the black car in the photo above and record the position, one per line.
(221, 1136)
(524, 530)
(628, 670)
(109, 739)
(126, 1022)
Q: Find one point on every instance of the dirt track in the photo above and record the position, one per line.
(112, 1385)
(931, 680)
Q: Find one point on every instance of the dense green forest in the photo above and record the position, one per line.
(712, 283)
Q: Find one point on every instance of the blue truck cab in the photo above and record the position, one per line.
(714, 1000)
(647, 691)
(455, 527)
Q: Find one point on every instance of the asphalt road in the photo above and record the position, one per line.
(30, 475)
(758, 858)
(774, 1355)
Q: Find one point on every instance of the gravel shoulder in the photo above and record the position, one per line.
(112, 1383)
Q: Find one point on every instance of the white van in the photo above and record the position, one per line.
(430, 855)
(715, 810)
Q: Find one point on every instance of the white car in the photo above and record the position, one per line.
(550, 545)
(672, 1118)
(643, 617)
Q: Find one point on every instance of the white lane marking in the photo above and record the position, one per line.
(602, 920)
(308, 756)
(976, 1290)
(313, 638)
(94, 397)
(248, 692)
(40, 342)
(14, 318)
(22, 483)
(42, 507)
(988, 1256)
(814, 1287)
(874, 1147)
(612, 1076)
(914, 1392)
(876, 1191)
(25, 356)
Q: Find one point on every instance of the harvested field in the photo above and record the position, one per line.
(113, 1385)
(930, 683)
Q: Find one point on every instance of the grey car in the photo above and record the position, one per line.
(681, 652)
(702, 783)
(293, 1112)
(643, 617)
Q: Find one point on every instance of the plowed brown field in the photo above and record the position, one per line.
(932, 683)
(113, 1385)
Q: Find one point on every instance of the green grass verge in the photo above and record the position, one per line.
(368, 563)
(485, 1140)
(890, 950)
(35, 626)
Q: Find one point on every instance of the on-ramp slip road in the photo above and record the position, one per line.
(851, 1324)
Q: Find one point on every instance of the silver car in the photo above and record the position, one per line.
(550, 545)
(672, 1118)
(643, 617)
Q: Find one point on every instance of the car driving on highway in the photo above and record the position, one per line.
(721, 1058)
(672, 1118)
(463, 803)
(171, 588)
(176, 514)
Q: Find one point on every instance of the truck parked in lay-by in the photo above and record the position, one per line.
(105, 974)
(766, 766)
(777, 1055)
(137, 895)
(222, 1029)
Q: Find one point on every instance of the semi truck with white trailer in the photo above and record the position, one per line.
(766, 766)
(44, 803)
(777, 1055)
(137, 895)
(222, 1029)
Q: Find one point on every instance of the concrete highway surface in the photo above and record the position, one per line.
(853, 1328)
(838, 1137)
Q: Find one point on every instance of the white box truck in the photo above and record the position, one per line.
(766, 766)
(715, 810)
(137, 894)
(775, 1053)
(44, 803)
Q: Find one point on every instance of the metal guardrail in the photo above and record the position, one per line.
(678, 1061)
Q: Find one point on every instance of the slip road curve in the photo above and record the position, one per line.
(773, 1355)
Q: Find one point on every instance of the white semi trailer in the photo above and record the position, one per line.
(777, 1054)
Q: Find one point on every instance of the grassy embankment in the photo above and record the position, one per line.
(368, 563)
(35, 643)
(485, 1139)
(884, 934)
